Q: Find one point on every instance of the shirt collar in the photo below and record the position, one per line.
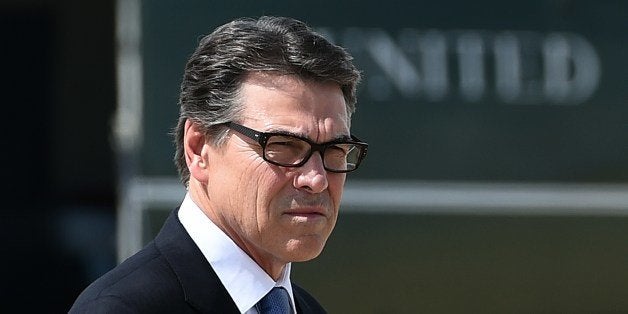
(245, 281)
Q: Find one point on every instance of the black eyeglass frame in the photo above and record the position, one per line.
(262, 138)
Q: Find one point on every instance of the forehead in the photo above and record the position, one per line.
(288, 103)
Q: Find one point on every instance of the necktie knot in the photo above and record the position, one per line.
(277, 301)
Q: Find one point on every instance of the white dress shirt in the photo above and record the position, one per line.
(245, 281)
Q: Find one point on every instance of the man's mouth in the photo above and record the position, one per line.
(306, 212)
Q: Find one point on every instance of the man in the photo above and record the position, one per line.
(263, 147)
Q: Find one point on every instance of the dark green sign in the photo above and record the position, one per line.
(452, 90)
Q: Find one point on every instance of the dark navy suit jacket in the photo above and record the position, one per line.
(169, 275)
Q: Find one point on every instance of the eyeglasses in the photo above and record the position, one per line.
(287, 150)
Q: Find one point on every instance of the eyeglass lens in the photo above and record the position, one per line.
(288, 151)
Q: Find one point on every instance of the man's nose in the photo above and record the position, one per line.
(312, 176)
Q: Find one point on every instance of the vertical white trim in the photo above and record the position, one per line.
(127, 124)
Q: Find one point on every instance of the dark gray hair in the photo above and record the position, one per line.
(215, 71)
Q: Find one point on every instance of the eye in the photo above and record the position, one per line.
(278, 140)
(341, 148)
(284, 143)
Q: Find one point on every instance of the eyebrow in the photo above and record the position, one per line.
(343, 137)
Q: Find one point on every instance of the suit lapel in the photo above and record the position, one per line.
(305, 303)
(203, 290)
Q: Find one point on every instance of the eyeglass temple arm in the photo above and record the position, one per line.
(250, 133)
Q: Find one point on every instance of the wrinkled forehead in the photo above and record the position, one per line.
(291, 85)
(294, 104)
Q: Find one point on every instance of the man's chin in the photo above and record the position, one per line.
(305, 248)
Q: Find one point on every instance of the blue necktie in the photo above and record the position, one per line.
(277, 301)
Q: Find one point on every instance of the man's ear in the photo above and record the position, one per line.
(196, 154)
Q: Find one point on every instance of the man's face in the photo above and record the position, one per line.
(279, 214)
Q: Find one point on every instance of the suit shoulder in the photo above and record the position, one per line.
(142, 283)
(102, 305)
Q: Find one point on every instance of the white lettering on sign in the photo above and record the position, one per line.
(514, 67)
